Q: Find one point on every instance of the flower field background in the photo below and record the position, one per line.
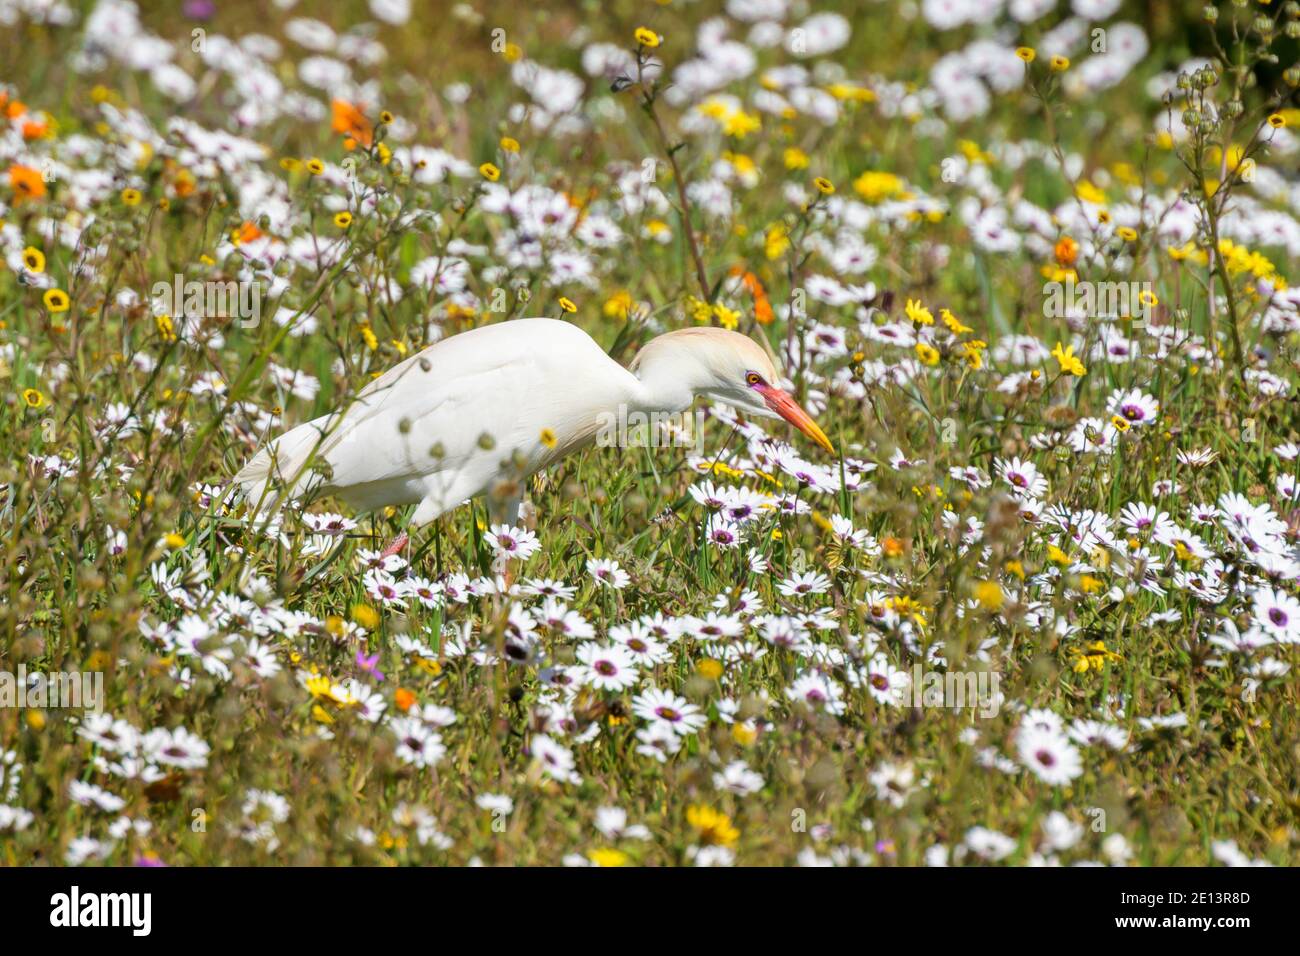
(1026, 262)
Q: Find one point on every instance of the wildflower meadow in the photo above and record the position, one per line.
(1026, 263)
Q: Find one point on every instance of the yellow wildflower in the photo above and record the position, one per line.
(714, 827)
(365, 615)
(954, 324)
(618, 305)
(56, 300)
(874, 186)
(918, 313)
(709, 668)
(727, 318)
(776, 241)
(990, 595)
(1068, 361)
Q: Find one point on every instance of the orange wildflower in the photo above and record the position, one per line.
(762, 304)
(352, 122)
(26, 183)
(34, 127)
(248, 232)
(184, 184)
(1067, 250)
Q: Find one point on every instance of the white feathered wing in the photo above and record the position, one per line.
(445, 424)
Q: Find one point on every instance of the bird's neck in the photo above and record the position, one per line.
(664, 386)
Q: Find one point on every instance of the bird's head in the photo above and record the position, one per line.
(724, 366)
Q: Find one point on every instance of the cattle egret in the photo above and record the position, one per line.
(480, 411)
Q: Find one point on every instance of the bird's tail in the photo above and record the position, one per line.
(280, 470)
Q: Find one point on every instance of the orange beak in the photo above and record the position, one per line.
(785, 406)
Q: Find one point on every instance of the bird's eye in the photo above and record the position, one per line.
(753, 378)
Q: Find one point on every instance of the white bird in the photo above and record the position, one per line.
(480, 411)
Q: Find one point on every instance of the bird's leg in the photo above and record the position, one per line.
(400, 543)
(526, 514)
(507, 576)
(504, 501)
(504, 504)
(511, 512)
